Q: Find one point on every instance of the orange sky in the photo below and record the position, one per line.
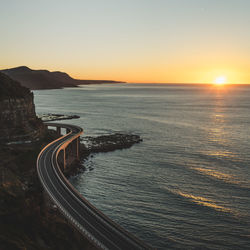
(158, 41)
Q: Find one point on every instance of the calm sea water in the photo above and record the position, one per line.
(187, 185)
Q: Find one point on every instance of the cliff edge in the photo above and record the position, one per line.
(18, 120)
(28, 220)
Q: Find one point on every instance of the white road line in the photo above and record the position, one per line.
(58, 203)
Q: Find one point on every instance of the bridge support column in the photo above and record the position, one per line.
(64, 158)
(58, 131)
(70, 153)
(77, 148)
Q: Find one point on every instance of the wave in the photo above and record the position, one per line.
(203, 201)
(227, 178)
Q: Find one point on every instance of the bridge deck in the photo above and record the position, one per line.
(97, 227)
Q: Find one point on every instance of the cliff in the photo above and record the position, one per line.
(28, 220)
(44, 79)
(18, 120)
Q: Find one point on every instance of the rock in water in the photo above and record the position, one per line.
(107, 143)
(56, 117)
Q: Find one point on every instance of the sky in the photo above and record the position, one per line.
(165, 41)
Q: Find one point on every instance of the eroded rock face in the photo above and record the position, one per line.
(18, 120)
(27, 218)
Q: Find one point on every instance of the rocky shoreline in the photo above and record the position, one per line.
(28, 220)
(101, 144)
(98, 144)
(56, 117)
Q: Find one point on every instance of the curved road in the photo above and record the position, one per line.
(94, 225)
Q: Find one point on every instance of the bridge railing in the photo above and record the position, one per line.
(64, 146)
(105, 219)
(73, 133)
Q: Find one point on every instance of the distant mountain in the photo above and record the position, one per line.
(44, 79)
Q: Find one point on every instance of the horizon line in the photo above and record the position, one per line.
(187, 83)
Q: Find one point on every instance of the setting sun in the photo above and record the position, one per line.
(220, 80)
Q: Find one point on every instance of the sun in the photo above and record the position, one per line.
(220, 80)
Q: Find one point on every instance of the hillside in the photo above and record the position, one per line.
(44, 79)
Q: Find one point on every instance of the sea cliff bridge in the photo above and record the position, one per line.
(94, 225)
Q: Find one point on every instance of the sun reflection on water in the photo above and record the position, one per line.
(218, 175)
(219, 153)
(204, 202)
(217, 120)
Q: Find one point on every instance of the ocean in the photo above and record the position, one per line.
(187, 185)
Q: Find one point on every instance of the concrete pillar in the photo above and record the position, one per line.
(70, 153)
(77, 148)
(60, 159)
(64, 158)
(58, 130)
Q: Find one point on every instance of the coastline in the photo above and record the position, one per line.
(28, 219)
(44, 79)
(90, 145)
(29, 206)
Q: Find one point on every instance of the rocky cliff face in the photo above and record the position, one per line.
(18, 120)
(28, 220)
